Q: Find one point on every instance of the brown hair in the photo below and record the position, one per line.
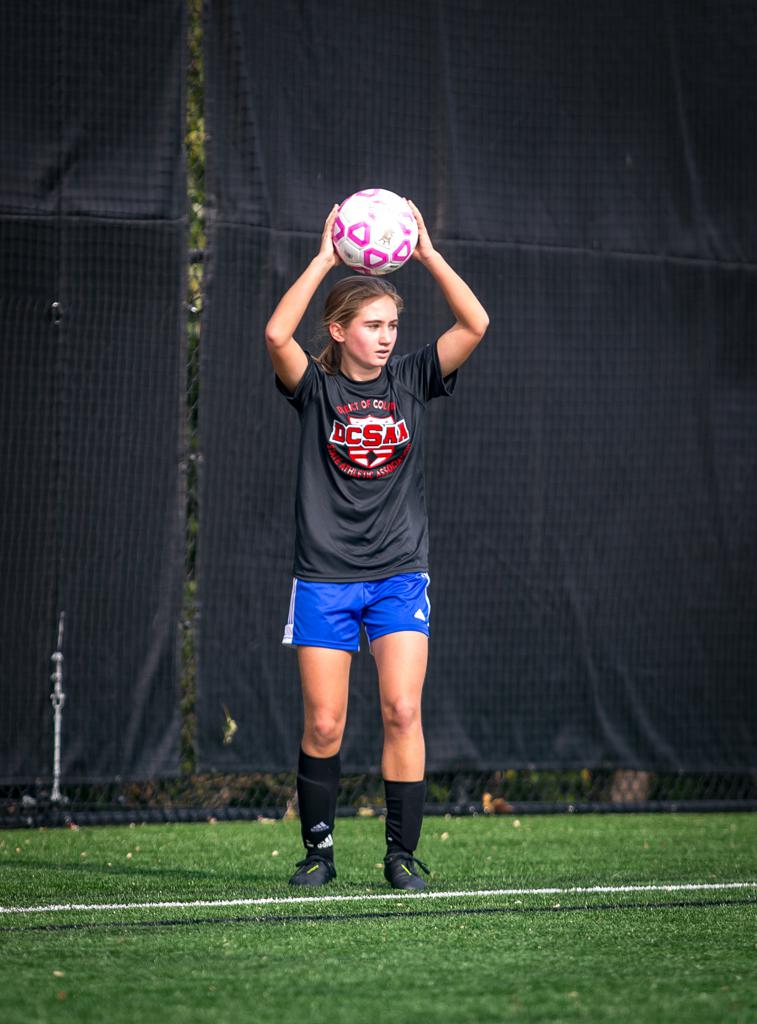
(343, 304)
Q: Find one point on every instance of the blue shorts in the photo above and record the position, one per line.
(330, 614)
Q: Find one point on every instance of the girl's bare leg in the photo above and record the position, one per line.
(401, 659)
(325, 676)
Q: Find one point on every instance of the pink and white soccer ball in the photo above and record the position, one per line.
(375, 231)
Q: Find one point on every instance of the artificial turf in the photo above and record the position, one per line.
(636, 956)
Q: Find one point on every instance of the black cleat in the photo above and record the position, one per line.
(400, 870)
(313, 870)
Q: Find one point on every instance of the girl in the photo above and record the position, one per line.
(361, 544)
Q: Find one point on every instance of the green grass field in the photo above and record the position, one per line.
(651, 954)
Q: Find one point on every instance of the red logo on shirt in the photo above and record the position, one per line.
(369, 442)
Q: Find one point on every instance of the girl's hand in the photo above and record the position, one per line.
(327, 250)
(425, 248)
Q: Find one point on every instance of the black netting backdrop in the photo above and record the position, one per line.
(593, 484)
(92, 270)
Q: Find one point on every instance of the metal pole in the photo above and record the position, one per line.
(58, 699)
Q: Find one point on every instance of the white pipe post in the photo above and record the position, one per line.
(58, 699)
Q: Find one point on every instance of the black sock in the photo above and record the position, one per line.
(405, 802)
(317, 785)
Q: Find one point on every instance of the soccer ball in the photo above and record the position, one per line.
(375, 231)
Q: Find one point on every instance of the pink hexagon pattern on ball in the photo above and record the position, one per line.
(368, 192)
(359, 233)
(338, 229)
(407, 222)
(373, 258)
(402, 251)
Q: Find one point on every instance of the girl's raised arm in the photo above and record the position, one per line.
(288, 358)
(471, 319)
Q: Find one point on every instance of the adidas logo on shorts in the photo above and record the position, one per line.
(320, 827)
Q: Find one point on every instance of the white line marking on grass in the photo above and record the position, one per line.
(281, 901)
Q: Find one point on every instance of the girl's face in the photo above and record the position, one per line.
(368, 339)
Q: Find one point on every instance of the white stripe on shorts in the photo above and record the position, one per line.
(289, 628)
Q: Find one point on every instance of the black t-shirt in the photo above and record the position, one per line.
(360, 508)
